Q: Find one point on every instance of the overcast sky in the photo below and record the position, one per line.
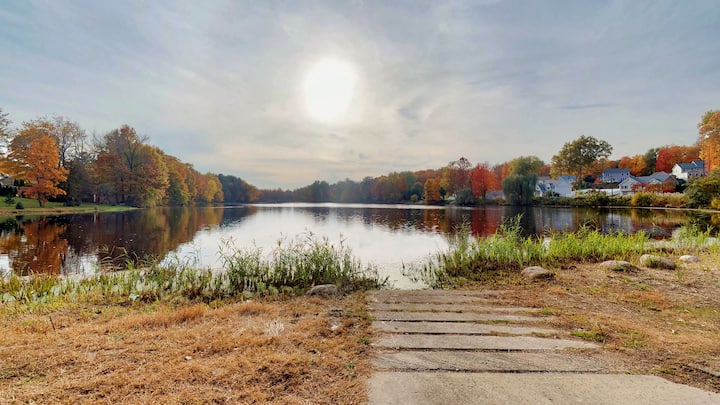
(220, 83)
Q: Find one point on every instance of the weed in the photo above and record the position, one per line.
(595, 335)
(363, 340)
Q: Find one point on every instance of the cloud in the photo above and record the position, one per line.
(586, 106)
(219, 86)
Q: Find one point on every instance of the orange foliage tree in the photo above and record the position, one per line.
(636, 164)
(668, 156)
(39, 167)
(709, 131)
(482, 180)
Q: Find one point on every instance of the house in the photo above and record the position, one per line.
(553, 187)
(614, 175)
(658, 181)
(689, 171)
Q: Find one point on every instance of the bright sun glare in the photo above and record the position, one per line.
(329, 87)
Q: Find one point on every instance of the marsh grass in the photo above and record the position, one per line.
(290, 269)
(470, 258)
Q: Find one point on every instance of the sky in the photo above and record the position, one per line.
(223, 84)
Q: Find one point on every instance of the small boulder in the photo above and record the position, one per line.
(655, 232)
(617, 265)
(656, 262)
(536, 273)
(689, 259)
(324, 290)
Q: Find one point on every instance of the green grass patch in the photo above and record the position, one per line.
(594, 335)
(508, 251)
(500, 256)
(32, 205)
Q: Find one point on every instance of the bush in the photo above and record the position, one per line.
(642, 200)
(465, 197)
(19, 206)
(700, 192)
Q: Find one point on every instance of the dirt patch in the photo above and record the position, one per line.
(661, 322)
(305, 350)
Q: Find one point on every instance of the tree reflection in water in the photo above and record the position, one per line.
(86, 242)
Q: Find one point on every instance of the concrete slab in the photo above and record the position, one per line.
(432, 293)
(417, 307)
(532, 388)
(516, 362)
(453, 317)
(433, 298)
(478, 342)
(460, 328)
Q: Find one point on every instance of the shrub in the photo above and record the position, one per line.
(642, 200)
(19, 206)
(465, 197)
(700, 192)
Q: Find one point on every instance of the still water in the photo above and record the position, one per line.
(387, 236)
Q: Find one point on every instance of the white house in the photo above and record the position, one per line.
(546, 186)
(614, 175)
(689, 171)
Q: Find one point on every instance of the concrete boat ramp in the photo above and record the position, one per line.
(462, 347)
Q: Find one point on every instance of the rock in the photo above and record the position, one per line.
(617, 265)
(536, 273)
(324, 290)
(655, 232)
(689, 259)
(656, 262)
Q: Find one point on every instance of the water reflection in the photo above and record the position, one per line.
(388, 236)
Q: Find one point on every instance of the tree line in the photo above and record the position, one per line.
(583, 158)
(52, 158)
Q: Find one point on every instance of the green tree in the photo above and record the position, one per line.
(704, 191)
(519, 189)
(526, 165)
(579, 154)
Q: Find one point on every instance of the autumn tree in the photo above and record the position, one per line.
(668, 156)
(636, 164)
(432, 191)
(458, 175)
(709, 141)
(482, 180)
(576, 155)
(39, 168)
(128, 171)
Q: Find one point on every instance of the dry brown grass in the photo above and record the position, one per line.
(304, 350)
(663, 322)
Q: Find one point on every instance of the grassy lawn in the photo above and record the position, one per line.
(32, 206)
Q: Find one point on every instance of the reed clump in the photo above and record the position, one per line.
(508, 250)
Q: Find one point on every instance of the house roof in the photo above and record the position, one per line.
(613, 171)
(657, 177)
(697, 164)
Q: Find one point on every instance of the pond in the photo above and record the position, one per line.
(388, 236)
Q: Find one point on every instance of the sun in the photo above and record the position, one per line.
(329, 86)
